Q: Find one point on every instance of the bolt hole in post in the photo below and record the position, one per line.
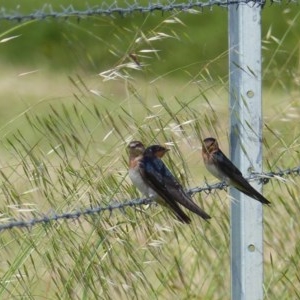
(250, 94)
(251, 248)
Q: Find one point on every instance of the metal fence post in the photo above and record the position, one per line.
(246, 149)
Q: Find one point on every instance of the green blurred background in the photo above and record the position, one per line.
(94, 44)
(183, 46)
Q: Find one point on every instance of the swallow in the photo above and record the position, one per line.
(136, 151)
(163, 186)
(221, 167)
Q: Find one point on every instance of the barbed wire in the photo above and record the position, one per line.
(263, 178)
(105, 9)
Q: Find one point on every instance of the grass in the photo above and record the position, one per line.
(63, 147)
(72, 155)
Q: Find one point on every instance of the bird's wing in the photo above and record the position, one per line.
(225, 165)
(153, 171)
(236, 178)
(165, 184)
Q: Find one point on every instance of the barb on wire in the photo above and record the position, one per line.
(105, 9)
(262, 177)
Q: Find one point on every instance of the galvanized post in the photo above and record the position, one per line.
(246, 149)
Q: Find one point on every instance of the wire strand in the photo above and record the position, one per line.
(105, 9)
(263, 178)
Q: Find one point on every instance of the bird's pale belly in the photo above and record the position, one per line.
(138, 181)
(215, 171)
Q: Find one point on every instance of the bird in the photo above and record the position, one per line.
(151, 176)
(221, 167)
(136, 151)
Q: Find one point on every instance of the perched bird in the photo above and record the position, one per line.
(136, 151)
(163, 186)
(221, 167)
